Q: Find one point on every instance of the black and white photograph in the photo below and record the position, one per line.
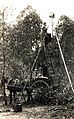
(36, 59)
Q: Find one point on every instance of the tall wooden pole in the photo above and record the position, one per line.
(65, 66)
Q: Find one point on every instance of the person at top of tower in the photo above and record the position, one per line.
(44, 29)
(43, 33)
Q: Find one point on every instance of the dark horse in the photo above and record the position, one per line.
(13, 87)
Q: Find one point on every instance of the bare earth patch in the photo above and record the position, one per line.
(41, 112)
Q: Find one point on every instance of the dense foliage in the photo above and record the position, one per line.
(18, 47)
(25, 38)
(65, 31)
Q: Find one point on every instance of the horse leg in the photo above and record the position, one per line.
(10, 96)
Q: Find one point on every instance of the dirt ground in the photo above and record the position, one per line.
(38, 112)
